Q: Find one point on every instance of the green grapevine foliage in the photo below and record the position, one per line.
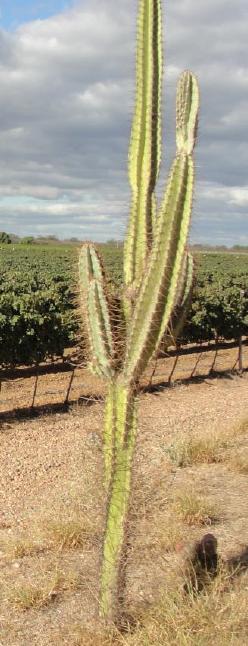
(37, 300)
(219, 307)
(37, 319)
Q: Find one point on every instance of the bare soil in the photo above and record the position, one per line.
(54, 383)
(51, 470)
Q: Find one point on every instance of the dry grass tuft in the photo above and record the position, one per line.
(68, 534)
(194, 449)
(25, 596)
(17, 548)
(239, 462)
(193, 509)
(60, 533)
(239, 429)
(186, 451)
(218, 616)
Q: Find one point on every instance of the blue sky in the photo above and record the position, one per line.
(66, 105)
(16, 12)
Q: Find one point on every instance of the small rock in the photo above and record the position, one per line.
(16, 565)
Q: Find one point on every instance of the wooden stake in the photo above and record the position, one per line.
(35, 386)
(69, 387)
(240, 357)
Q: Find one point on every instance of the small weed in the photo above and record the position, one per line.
(216, 617)
(17, 548)
(28, 595)
(240, 429)
(189, 450)
(67, 534)
(186, 451)
(239, 462)
(193, 509)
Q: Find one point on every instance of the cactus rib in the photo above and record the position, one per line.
(145, 145)
(183, 300)
(95, 307)
(118, 480)
(157, 296)
(187, 108)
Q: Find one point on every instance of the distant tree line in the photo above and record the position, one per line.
(8, 238)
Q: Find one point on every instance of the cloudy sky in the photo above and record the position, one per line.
(66, 100)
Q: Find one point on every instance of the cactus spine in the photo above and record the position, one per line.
(157, 276)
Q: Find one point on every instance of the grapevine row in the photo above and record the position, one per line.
(38, 316)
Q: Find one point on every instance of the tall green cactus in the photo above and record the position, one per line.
(157, 277)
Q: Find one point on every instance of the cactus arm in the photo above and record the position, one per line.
(145, 146)
(179, 314)
(182, 280)
(187, 109)
(157, 296)
(90, 265)
(185, 286)
(99, 330)
(96, 312)
(159, 290)
(185, 292)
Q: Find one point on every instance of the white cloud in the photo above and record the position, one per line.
(239, 196)
(229, 194)
(67, 94)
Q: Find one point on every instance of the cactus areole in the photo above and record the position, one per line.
(157, 282)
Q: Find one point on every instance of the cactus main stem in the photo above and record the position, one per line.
(119, 442)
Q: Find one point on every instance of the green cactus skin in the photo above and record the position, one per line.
(145, 144)
(158, 274)
(121, 405)
(95, 310)
(158, 293)
(187, 108)
(184, 299)
(184, 296)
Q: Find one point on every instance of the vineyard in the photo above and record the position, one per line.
(38, 296)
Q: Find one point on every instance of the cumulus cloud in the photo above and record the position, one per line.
(67, 94)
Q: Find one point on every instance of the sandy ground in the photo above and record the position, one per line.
(23, 388)
(51, 468)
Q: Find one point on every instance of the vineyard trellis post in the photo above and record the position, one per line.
(66, 400)
(240, 355)
(196, 363)
(35, 385)
(175, 362)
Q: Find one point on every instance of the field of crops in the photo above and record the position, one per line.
(38, 291)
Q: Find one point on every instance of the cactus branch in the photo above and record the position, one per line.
(157, 297)
(95, 309)
(145, 146)
(187, 108)
(183, 301)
